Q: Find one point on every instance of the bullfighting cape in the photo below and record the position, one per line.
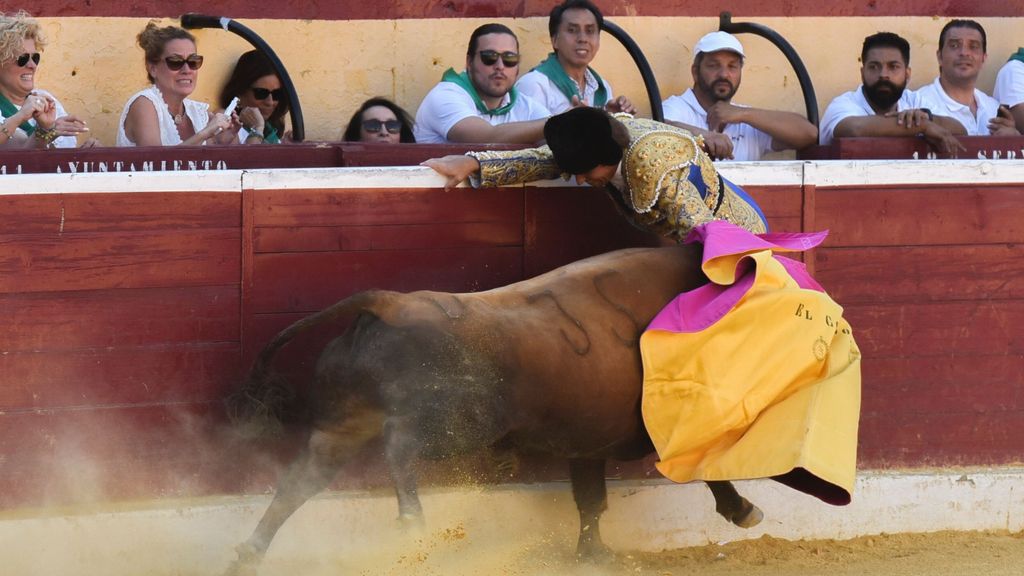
(755, 374)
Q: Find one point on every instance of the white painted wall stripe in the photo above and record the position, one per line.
(823, 174)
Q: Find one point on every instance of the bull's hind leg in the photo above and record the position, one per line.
(591, 495)
(318, 464)
(733, 507)
(401, 450)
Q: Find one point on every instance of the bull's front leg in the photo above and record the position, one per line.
(733, 507)
(591, 495)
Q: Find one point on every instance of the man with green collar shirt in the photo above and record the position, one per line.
(481, 104)
(565, 78)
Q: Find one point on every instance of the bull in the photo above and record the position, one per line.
(550, 364)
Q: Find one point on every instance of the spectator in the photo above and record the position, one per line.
(262, 102)
(481, 104)
(566, 77)
(731, 131)
(163, 115)
(380, 120)
(31, 118)
(882, 105)
(1009, 90)
(961, 54)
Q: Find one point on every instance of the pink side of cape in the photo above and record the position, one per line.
(700, 308)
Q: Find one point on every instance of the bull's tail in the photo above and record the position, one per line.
(259, 407)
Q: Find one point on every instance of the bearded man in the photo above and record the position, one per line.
(731, 131)
(882, 105)
(481, 104)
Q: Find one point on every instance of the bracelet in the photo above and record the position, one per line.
(46, 135)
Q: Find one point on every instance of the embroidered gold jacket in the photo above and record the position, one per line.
(671, 184)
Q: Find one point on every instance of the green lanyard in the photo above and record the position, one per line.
(8, 109)
(464, 82)
(551, 68)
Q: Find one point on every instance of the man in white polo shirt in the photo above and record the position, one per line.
(1009, 90)
(480, 104)
(961, 55)
(882, 105)
(565, 77)
(731, 131)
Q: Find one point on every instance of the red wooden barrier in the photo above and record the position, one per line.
(125, 317)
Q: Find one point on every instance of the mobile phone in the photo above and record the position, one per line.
(231, 106)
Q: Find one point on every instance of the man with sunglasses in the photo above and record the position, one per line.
(481, 104)
(565, 79)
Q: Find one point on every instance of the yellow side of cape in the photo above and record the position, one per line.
(772, 386)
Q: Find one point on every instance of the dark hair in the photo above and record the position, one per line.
(582, 139)
(957, 23)
(555, 19)
(492, 28)
(352, 131)
(153, 39)
(250, 67)
(886, 40)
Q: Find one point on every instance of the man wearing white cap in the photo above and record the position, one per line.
(731, 131)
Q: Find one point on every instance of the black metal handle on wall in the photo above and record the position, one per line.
(653, 94)
(192, 21)
(725, 24)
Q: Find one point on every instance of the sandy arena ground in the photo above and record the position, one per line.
(509, 532)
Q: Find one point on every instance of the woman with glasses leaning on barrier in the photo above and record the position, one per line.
(380, 120)
(31, 118)
(262, 102)
(162, 114)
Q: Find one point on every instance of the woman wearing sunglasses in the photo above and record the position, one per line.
(163, 115)
(31, 118)
(262, 102)
(380, 120)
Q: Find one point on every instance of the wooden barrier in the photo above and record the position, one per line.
(130, 304)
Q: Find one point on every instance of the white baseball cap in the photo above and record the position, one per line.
(716, 41)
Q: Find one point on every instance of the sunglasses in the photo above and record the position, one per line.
(24, 58)
(374, 126)
(262, 93)
(175, 63)
(490, 58)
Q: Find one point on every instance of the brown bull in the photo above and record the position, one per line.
(550, 364)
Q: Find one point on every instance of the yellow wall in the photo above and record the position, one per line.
(93, 64)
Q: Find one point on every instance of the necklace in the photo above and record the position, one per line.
(179, 118)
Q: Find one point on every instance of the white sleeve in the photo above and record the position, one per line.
(533, 85)
(1009, 89)
(535, 110)
(676, 109)
(839, 109)
(445, 105)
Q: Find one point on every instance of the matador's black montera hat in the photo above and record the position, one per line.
(581, 139)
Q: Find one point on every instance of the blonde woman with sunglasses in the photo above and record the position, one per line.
(29, 117)
(162, 114)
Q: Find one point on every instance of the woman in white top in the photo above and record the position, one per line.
(30, 117)
(162, 115)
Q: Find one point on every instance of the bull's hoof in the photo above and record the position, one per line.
(593, 552)
(412, 524)
(748, 515)
(248, 561)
